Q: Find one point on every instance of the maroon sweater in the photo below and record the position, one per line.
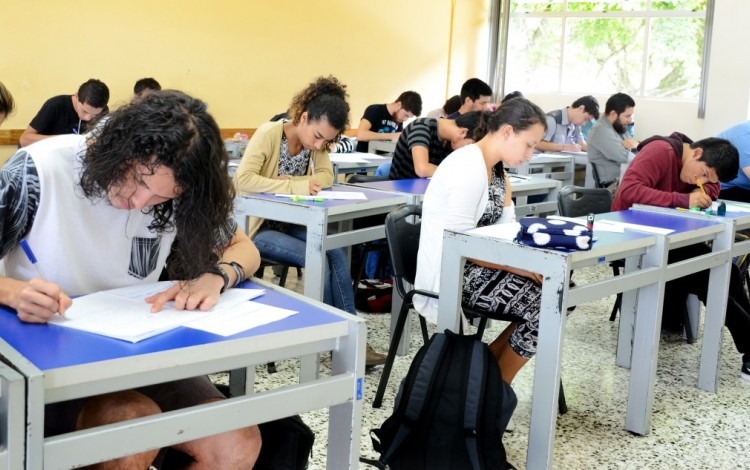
(653, 177)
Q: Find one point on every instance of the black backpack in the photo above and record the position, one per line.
(451, 410)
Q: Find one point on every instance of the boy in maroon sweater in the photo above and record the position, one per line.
(665, 173)
(666, 170)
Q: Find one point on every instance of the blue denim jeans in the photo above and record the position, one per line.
(289, 248)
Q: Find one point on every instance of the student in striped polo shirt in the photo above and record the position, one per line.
(426, 142)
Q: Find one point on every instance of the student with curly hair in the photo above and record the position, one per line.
(290, 156)
(151, 190)
(6, 103)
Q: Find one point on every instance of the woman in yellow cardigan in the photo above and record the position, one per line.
(290, 156)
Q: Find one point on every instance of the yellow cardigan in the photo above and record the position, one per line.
(260, 164)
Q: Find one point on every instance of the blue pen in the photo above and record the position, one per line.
(30, 255)
(32, 258)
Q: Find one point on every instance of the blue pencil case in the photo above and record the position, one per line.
(554, 234)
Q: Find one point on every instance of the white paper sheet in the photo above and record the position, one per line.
(124, 314)
(615, 227)
(501, 231)
(243, 317)
(342, 195)
(346, 158)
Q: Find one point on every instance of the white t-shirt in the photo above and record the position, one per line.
(455, 199)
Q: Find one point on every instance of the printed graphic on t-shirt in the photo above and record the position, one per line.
(144, 254)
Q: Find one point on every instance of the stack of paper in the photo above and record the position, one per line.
(124, 314)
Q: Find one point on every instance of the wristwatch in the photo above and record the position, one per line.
(219, 271)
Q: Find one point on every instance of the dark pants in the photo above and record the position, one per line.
(738, 305)
(735, 194)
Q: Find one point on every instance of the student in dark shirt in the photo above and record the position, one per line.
(385, 121)
(426, 142)
(475, 96)
(68, 114)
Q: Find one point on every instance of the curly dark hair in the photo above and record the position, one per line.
(324, 97)
(172, 129)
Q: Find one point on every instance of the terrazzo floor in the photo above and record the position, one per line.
(691, 428)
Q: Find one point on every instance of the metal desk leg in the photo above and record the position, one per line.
(627, 318)
(12, 414)
(315, 261)
(716, 308)
(547, 366)
(345, 420)
(646, 345)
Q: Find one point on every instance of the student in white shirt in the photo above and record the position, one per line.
(471, 189)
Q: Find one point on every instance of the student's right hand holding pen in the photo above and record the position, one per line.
(37, 300)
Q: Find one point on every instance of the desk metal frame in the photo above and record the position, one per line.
(556, 267)
(316, 216)
(12, 418)
(327, 330)
(543, 165)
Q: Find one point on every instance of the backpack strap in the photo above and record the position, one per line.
(474, 392)
(418, 393)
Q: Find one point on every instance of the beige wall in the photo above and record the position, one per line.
(245, 58)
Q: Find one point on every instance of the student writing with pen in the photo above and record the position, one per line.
(150, 192)
(68, 114)
(674, 171)
(290, 156)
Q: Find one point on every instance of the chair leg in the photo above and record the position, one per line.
(271, 367)
(562, 405)
(395, 339)
(481, 327)
(284, 272)
(423, 324)
(616, 307)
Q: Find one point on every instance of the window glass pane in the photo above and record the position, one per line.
(675, 58)
(536, 6)
(683, 5)
(626, 5)
(533, 62)
(603, 55)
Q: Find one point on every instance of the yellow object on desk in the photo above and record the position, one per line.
(700, 185)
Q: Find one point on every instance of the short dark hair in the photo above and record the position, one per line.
(511, 95)
(473, 88)
(172, 129)
(6, 101)
(452, 105)
(720, 155)
(146, 84)
(411, 101)
(326, 98)
(590, 105)
(94, 93)
(618, 103)
(469, 121)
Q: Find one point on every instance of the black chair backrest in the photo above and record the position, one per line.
(402, 232)
(595, 175)
(359, 178)
(575, 201)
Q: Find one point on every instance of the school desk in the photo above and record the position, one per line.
(523, 187)
(60, 364)
(356, 162)
(646, 252)
(316, 216)
(12, 418)
(546, 165)
(382, 147)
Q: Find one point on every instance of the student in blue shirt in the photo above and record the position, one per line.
(739, 188)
